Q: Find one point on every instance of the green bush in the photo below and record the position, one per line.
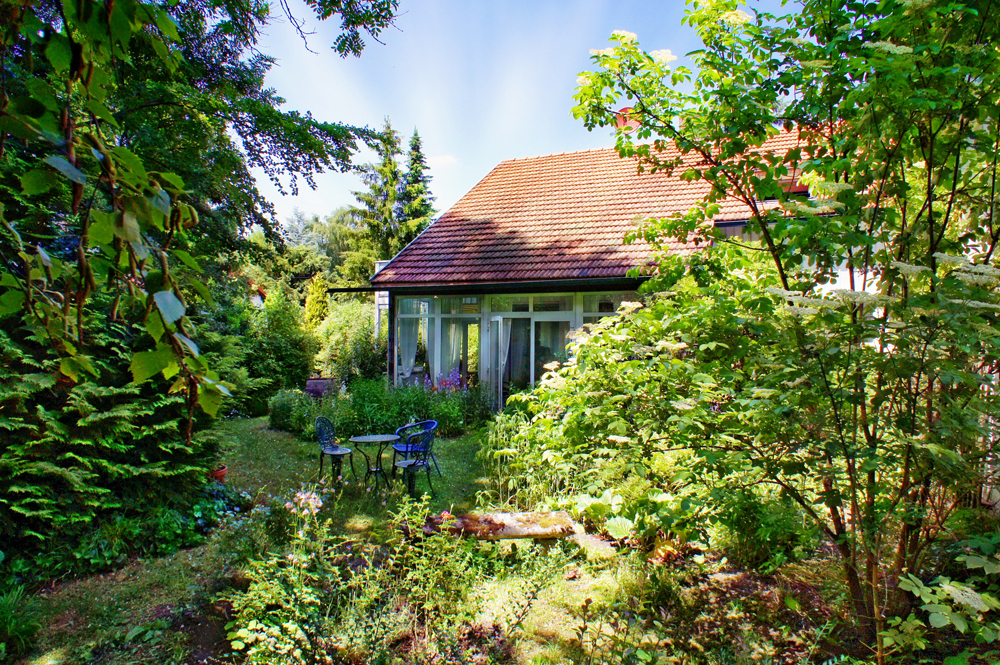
(370, 407)
(17, 623)
(763, 532)
(348, 346)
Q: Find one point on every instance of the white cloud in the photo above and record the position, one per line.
(438, 161)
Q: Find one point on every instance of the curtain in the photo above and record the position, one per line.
(451, 347)
(408, 345)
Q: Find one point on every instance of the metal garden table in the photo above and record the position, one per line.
(373, 467)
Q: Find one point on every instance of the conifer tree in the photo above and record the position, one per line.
(379, 205)
(317, 301)
(416, 203)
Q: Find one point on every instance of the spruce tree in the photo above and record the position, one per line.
(379, 205)
(416, 203)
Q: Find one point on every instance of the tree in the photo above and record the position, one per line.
(117, 163)
(873, 408)
(415, 201)
(317, 301)
(379, 213)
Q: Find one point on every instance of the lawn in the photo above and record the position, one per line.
(162, 610)
(539, 605)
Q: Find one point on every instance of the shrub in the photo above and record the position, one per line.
(284, 405)
(348, 346)
(370, 407)
(763, 532)
(17, 623)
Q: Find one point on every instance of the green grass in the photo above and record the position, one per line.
(88, 620)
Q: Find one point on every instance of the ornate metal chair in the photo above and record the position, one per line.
(413, 438)
(326, 436)
(418, 455)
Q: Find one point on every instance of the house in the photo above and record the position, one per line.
(495, 285)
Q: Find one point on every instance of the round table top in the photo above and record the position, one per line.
(374, 438)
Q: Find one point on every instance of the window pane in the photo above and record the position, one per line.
(607, 303)
(510, 303)
(412, 351)
(550, 344)
(463, 305)
(414, 305)
(553, 303)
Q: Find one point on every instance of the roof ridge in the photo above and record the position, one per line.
(556, 154)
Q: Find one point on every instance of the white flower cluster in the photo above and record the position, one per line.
(627, 307)
(796, 207)
(908, 270)
(615, 438)
(682, 404)
(624, 36)
(849, 297)
(832, 204)
(976, 279)
(735, 17)
(670, 347)
(951, 260)
(796, 383)
(976, 304)
(981, 269)
(602, 51)
(798, 41)
(915, 4)
(583, 79)
(663, 55)
(889, 47)
(763, 393)
(800, 311)
(830, 189)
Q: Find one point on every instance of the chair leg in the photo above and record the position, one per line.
(434, 459)
(321, 465)
(354, 473)
(429, 484)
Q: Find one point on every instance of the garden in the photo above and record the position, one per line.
(785, 451)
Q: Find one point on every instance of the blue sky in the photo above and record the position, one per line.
(481, 81)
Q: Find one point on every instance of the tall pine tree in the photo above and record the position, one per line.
(380, 204)
(416, 203)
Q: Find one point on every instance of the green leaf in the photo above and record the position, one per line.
(166, 25)
(209, 401)
(938, 620)
(70, 368)
(154, 325)
(62, 165)
(619, 528)
(187, 259)
(146, 364)
(59, 53)
(102, 228)
(792, 604)
(37, 181)
(169, 305)
(129, 229)
(11, 302)
(101, 111)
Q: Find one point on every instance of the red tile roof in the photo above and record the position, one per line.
(555, 217)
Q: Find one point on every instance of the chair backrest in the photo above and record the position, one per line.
(419, 444)
(326, 433)
(423, 437)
